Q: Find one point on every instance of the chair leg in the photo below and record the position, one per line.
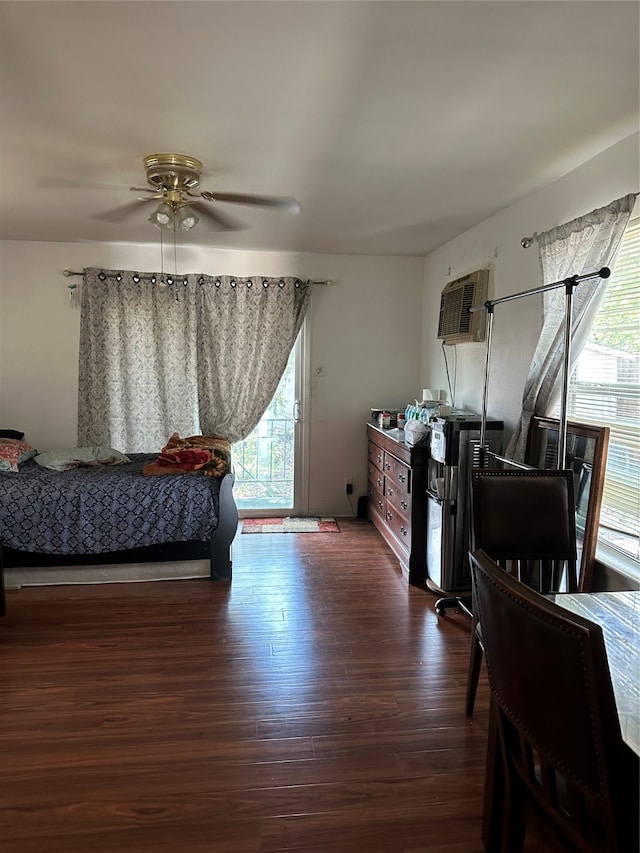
(475, 661)
(514, 830)
(503, 830)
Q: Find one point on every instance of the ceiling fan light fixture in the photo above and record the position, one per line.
(162, 216)
(185, 218)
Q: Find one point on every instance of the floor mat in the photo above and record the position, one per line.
(290, 525)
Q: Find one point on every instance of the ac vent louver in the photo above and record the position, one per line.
(457, 323)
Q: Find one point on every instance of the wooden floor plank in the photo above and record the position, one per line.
(314, 704)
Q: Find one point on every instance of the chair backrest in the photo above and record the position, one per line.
(522, 516)
(556, 715)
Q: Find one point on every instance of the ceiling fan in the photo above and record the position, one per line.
(173, 181)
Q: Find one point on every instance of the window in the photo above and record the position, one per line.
(605, 389)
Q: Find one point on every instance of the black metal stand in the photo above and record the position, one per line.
(464, 603)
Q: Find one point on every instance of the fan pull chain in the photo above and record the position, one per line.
(175, 257)
(175, 260)
(162, 281)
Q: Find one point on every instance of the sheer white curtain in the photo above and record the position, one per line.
(582, 246)
(201, 354)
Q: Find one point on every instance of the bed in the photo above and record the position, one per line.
(115, 511)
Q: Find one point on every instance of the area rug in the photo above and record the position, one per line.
(290, 525)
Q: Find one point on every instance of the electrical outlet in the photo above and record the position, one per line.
(348, 486)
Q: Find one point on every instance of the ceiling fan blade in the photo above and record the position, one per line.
(117, 214)
(221, 221)
(282, 203)
(77, 184)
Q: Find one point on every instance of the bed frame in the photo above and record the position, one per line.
(217, 549)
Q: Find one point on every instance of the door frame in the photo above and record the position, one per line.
(302, 348)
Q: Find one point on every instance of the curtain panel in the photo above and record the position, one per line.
(579, 247)
(189, 354)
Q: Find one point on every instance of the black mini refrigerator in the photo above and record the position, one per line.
(455, 447)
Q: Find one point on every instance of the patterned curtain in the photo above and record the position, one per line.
(193, 354)
(579, 247)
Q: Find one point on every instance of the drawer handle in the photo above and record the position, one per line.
(379, 481)
(389, 492)
(404, 531)
(380, 505)
(380, 459)
(404, 504)
(387, 466)
(402, 478)
(389, 516)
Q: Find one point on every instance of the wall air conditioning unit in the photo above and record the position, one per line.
(457, 324)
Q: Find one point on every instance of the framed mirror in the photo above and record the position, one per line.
(586, 455)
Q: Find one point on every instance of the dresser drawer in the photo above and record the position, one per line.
(399, 500)
(376, 502)
(376, 477)
(398, 473)
(376, 456)
(399, 525)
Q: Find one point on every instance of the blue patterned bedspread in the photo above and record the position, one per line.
(104, 508)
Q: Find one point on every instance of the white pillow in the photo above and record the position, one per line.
(63, 460)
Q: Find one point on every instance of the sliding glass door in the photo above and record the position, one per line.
(269, 464)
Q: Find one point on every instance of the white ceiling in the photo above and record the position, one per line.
(397, 125)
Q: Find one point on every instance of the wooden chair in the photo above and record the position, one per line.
(556, 763)
(525, 520)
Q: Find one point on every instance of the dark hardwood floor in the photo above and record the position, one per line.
(315, 704)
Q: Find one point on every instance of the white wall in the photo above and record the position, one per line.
(365, 330)
(496, 243)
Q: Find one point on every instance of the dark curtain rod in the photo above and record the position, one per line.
(605, 272)
(569, 285)
(169, 277)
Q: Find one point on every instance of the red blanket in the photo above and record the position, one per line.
(204, 454)
(190, 459)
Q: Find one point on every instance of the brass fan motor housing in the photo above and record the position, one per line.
(172, 171)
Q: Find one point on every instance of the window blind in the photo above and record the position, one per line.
(605, 390)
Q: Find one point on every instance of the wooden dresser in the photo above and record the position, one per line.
(397, 497)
